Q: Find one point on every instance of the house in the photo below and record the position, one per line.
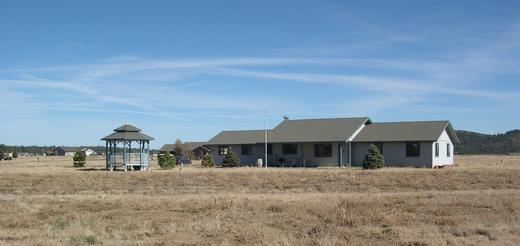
(89, 152)
(341, 142)
(70, 151)
(197, 148)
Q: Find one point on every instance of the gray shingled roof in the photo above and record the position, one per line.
(128, 132)
(194, 145)
(167, 147)
(316, 130)
(406, 131)
(291, 131)
(238, 137)
(191, 146)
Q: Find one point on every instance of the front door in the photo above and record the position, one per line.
(343, 155)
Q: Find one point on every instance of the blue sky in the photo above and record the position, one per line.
(72, 71)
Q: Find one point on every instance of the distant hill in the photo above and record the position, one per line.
(478, 143)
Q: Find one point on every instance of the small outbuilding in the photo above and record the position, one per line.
(119, 151)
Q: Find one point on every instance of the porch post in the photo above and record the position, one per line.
(350, 153)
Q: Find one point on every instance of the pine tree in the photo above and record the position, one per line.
(373, 159)
(207, 161)
(79, 159)
(167, 161)
(231, 160)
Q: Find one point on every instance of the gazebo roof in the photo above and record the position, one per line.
(128, 132)
(127, 128)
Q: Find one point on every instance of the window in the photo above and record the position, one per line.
(290, 149)
(448, 150)
(223, 149)
(436, 149)
(413, 149)
(247, 149)
(323, 150)
(379, 146)
(269, 149)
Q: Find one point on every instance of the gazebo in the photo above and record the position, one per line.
(119, 151)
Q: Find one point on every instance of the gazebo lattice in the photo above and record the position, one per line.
(121, 140)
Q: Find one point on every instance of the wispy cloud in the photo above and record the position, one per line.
(168, 87)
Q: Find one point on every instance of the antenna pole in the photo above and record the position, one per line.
(265, 134)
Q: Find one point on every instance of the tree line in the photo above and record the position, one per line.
(478, 143)
(40, 150)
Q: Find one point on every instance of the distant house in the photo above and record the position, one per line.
(197, 148)
(70, 151)
(341, 142)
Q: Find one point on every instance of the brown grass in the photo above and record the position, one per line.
(48, 202)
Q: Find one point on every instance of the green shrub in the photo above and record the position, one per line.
(79, 159)
(167, 161)
(231, 160)
(373, 159)
(15, 154)
(8, 158)
(207, 161)
(1, 155)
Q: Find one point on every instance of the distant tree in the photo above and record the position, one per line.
(373, 158)
(180, 148)
(79, 159)
(15, 154)
(1, 155)
(166, 161)
(207, 161)
(231, 160)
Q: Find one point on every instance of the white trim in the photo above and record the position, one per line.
(355, 133)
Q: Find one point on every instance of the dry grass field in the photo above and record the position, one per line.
(48, 202)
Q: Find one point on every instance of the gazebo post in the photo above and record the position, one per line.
(124, 155)
(106, 155)
(141, 154)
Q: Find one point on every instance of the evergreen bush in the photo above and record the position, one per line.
(373, 159)
(166, 161)
(231, 160)
(79, 159)
(207, 161)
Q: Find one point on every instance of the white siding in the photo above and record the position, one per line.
(70, 153)
(443, 158)
(89, 152)
(395, 154)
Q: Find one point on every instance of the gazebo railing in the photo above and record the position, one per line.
(128, 158)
